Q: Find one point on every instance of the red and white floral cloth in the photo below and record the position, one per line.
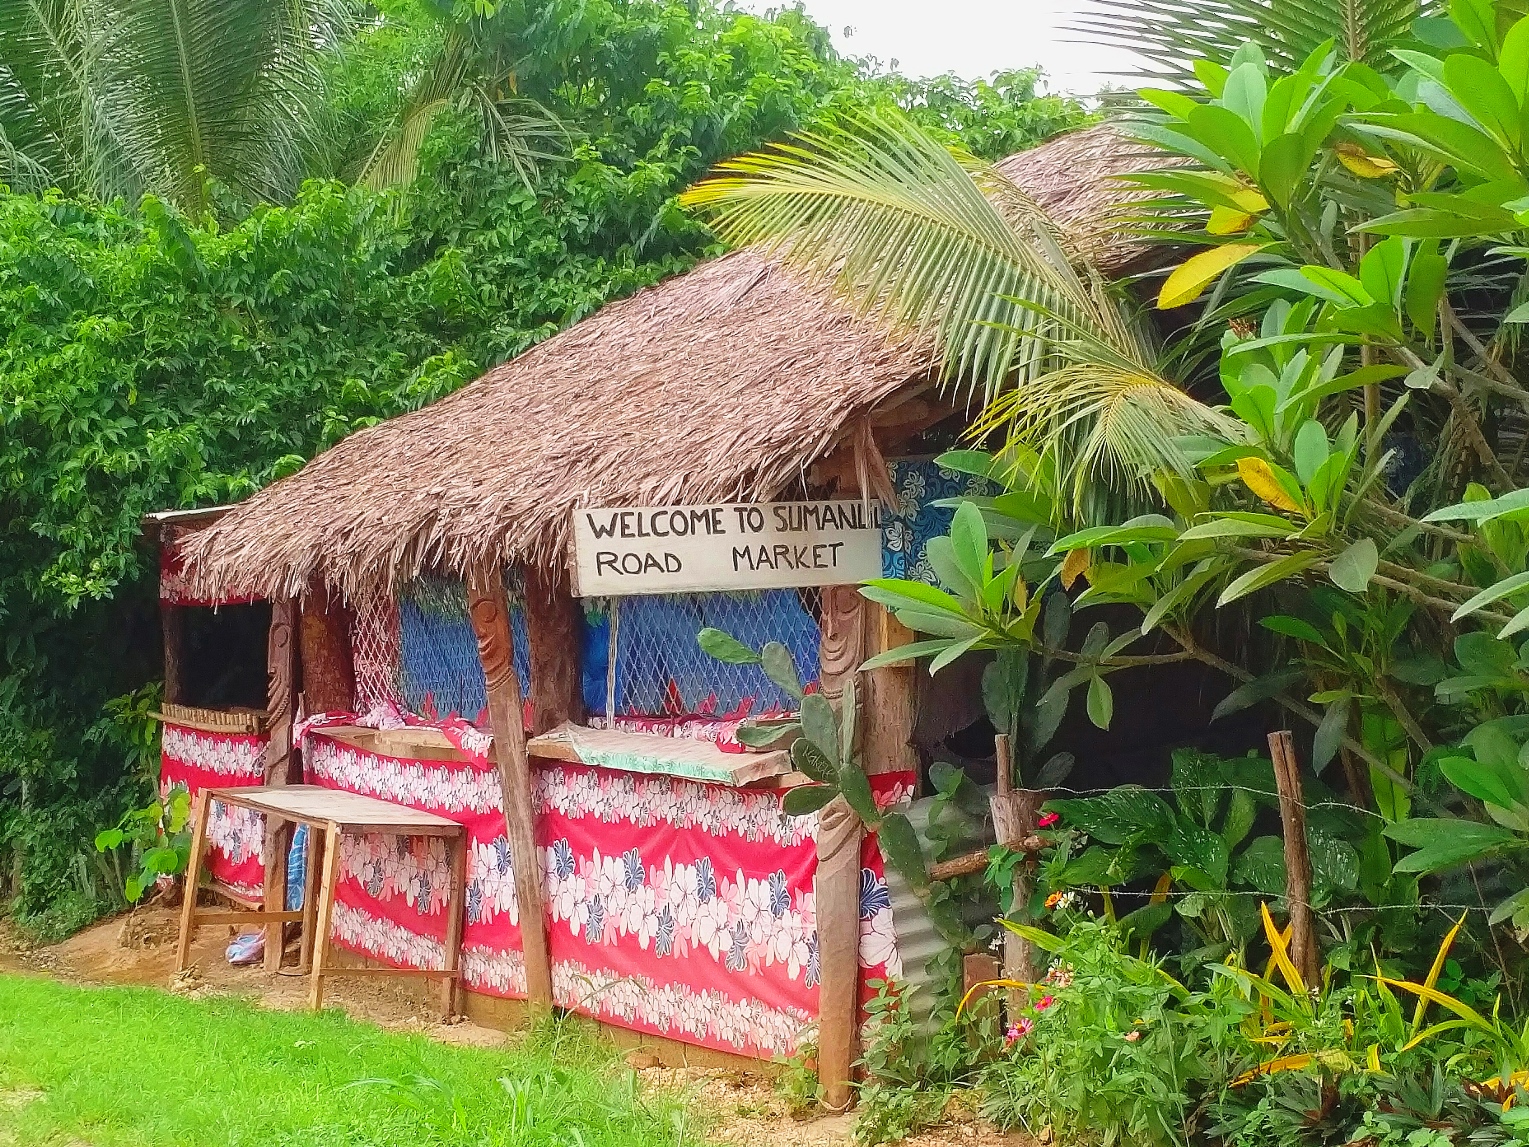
(674, 907)
(235, 837)
(174, 586)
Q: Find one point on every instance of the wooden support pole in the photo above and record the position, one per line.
(281, 690)
(554, 629)
(328, 672)
(193, 879)
(172, 627)
(1292, 813)
(324, 922)
(838, 910)
(455, 906)
(274, 895)
(889, 707)
(489, 610)
(172, 622)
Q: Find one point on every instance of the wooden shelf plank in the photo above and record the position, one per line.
(658, 755)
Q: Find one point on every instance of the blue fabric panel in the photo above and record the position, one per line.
(906, 532)
(439, 668)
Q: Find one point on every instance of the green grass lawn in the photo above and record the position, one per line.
(134, 1067)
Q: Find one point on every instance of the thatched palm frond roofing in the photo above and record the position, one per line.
(721, 384)
(1074, 178)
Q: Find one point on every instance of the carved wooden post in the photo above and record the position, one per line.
(329, 675)
(490, 615)
(838, 909)
(1292, 813)
(841, 649)
(841, 644)
(554, 627)
(281, 689)
(281, 708)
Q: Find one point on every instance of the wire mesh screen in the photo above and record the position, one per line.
(659, 669)
(417, 650)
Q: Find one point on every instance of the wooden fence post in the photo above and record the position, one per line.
(1014, 820)
(490, 613)
(1292, 813)
(838, 910)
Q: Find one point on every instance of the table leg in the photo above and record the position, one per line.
(455, 906)
(278, 840)
(311, 880)
(193, 871)
(325, 915)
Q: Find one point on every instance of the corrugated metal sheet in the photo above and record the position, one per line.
(918, 941)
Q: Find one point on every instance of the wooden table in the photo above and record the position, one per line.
(334, 813)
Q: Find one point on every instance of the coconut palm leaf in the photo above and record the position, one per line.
(51, 124)
(1103, 424)
(216, 88)
(923, 239)
(395, 160)
(518, 132)
(929, 241)
(1171, 34)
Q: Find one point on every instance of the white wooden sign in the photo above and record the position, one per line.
(687, 549)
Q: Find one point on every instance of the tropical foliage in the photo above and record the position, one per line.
(117, 98)
(184, 318)
(1294, 454)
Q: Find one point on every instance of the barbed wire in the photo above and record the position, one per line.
(1254, 894)
(1267, 794)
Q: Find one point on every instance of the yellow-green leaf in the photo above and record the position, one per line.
(1250, 199)
(1258, 476)
(1228, 221)
(1190, 278)
(1279, 946)
(1076, 562)
(1362, 164)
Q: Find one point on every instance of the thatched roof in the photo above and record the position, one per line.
(721, 384)
(1074, 177)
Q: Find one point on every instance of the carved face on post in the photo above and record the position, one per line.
(486, 608)
(842, 647)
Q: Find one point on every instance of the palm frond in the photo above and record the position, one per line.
(1103, 424)
(923, 239)
(519, 132)
(516, 131)
(1171, 34)
(43, 105)
(214, 88)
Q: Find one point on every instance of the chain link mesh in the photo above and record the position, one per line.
(416, 649)
(661, 671)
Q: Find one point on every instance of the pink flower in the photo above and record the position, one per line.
(1044, 1002)
(1020, 1028)
(1133, 1036)
(1048, 820)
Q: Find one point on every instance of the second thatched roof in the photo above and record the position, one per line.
(721, 384)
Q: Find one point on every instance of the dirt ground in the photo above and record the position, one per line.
(744, 1107)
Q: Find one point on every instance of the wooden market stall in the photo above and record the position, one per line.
(460, 654)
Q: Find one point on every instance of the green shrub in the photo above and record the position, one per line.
(1112, 1049)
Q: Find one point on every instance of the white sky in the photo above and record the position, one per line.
(971, 38)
